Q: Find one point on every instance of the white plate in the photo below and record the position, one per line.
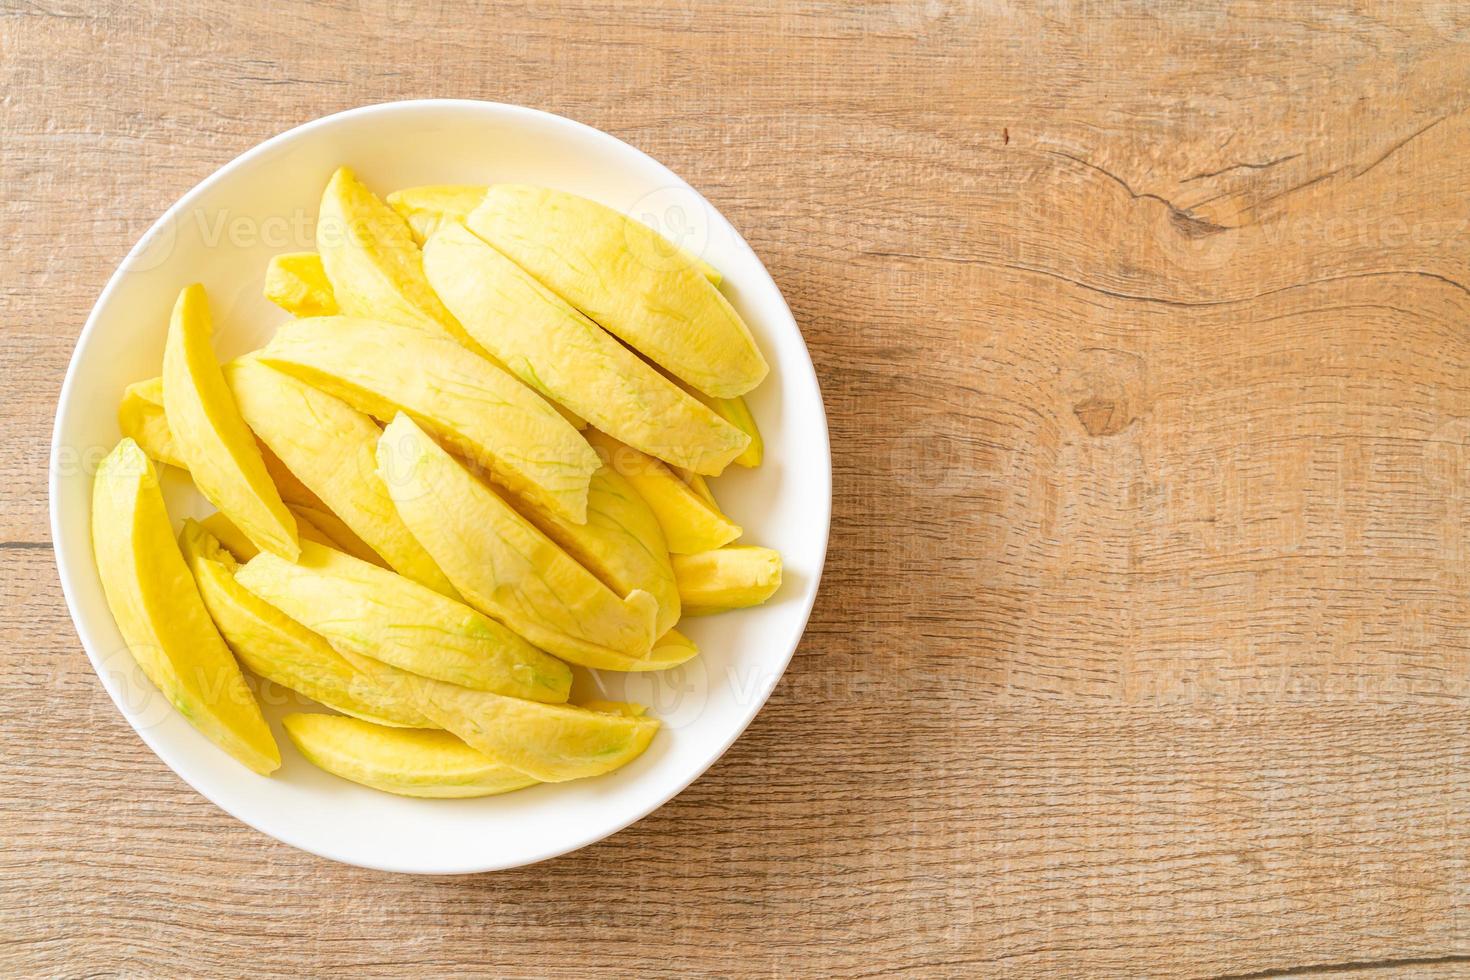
(221, 234)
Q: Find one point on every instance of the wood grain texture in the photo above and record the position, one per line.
(1144, 641)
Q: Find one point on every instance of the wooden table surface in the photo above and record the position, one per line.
(1144, 642)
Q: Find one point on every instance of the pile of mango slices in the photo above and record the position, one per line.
(476, 458)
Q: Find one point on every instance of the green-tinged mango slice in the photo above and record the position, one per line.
(629, 279)
(431, 764)
(552, 347)
(428, 208)
(549, 742)
(377, 613)
(298, 284)
(503, 565)
(479, 409)
(331, 448)
(141, 418)
(727, 578)
(161, 615)
(621, 543)
(690, 523)
(210, 436)
(278, 648)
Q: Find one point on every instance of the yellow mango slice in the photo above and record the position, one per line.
(297, 283)
(615, 707)
(161, 615)
(690, 524)
(625, 276)
(433, 765)
(377, 613)
(669, 650)
(278, 648)
(483, 412)
(211, 437)
(374, 265)
(727, 578)
(737, 413)
(224, 531)
(558, 351)
(331, 448)
(549, 742)
(503, 565)
(322, 526)
(700, 486)
(621, 543)
(430, 207)
(141, 418)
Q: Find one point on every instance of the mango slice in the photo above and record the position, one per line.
(625, 276)
(503, 565)
(372, 611)
(331, 448)
(549, 742)
(430, 207)
(690, 524)
(434, 765)
(161, 615)
(669, 650)
(278, 648)
(141, 418)
(621, 543)
(727, 578)
(224, 531)
(297, 283)
(558, 351)
(737, 413)
(374, 265)
(484, 413)
(210, 436)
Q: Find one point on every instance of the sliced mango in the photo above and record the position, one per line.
(278, 648)
(161, 615)
(141, 418)
(298, 284)
(372, 611)
(690, 524)
(224, 531)
(428, 208)
(549, 742)
(573, 361)
(211, 437)
(737, 413)
(727, 578)
(330, 447)
(621, 543)
(434, 764)
(669, 650)
(243, 549)
(373, 263)
(324, 527)
(503, 565)
(628, 278)
(485, 413)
